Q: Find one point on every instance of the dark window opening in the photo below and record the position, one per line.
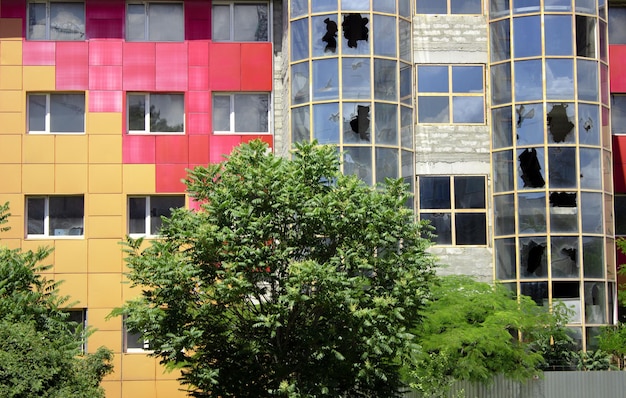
(558, 122)
(360, 123)
(330, 37)
(531, 169)
(355, 29)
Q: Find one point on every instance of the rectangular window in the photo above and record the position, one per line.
(241, 113)
(55, 216)
(243, 21)
(56, 113)
(618, 114)
(620, 215)
(451, 94)
(156, 113)
(79, 317)
(134, 342)
(145, 212)
(456, 207)
(448, 7)
(155, 21)
(56, 20)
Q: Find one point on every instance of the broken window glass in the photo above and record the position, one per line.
(530, 173)
(565, 260)
(589, 124)
(568, 293)
(531, 212)
(386, 164)
(324, 35)
(356, 78)
(527, 44)
(586, 6)
(504, 218)
(559, 78)
(590, 168)
(505, 258)
(385, 37)
(466, 7)
(326, 123)
(501, 127)
(525, 6)
(591, 206)
(595, 308)
(355, 34)
(558, 5)
(560, 120)
(356, 122)
(585, 36)
(500, 34)
(386, 123)
(406, 127)
(299, 39)
(563, 212)
(562, 161)
(323, 5)
(300, 124)
(300, 83)
(503, 171)
(528, 80)
(498, 8)
(587, 80)
(325, 79)
(529, 124)
(533, 257)
(538, 291)
(385, 80)
(593, 257)
(443, 226)
(558, 39)
(501, 83)
(358, 161)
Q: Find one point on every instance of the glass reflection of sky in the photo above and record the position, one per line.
(525, 6)
(558, 35)
(385, 37)
(528, 43)
(587, 80)
(325, 79)
(558, 5)
(559, 79)
(299, 39)
(502, 127)
(528, 80)
(356, 78)
(529, 124)
(323, 5)
(590, 168)
(588, 124)
(326, 123)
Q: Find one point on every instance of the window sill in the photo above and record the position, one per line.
(240, 133)
(56, 133)
(55, 237)
(155, 133)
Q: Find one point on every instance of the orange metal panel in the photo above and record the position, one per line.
(139, 389)
(105, 149)
(11, 52)
(38, 148)
(10, 147)
(105, 290)
(104, 123)
(70, 178)
(39, 78)
(37, 178)
(12, 123)
(10, 77)
(105, 255)
(139, 178)
(71, 256)
(98, 318)
(70, 148)
(107, 227)
(12, 101)
(105, 204)
(138, 367)
(105, 178)
(75, 286)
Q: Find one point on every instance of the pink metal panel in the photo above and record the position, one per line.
(172, 149)
(198, 149)
(72, 65)
(105, 52)
(169, 176)
(139, 72)
(105, 101)
(220, 145)
(198, 101)
(256, 66)
(138, 149)
(38, 52)
(105, 77)
(198, 123)
(225, 66)
(197, 20)
(198, 53)
(198, 78)
(171, 66)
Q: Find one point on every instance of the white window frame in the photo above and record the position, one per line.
(146, 36)
(47, 116)
(47, 3)
(147, 114)
(231, 22)
(46, 222)
(232, 113)
(133, 350)
(147, 215)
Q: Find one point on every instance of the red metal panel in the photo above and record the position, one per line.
(617, 58)
(256, 66)
(225, 66)
(72, 63)
(172, 149)
(105, 77)
(619, 163)
(138, 149)
(104, 28)
(198, 53)
(38, 52)
(198, 101)
(171, 66)
(198, 78)
(139, 72)
(198, 150)
(105, 52)
(220, 145)
(197, 20)
(105, 101)
(13, 9)
(169, 176)
(198, 124)
(267, 138)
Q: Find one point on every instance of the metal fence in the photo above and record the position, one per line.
(601, 384)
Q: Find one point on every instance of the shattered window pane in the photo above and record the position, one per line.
(300, 83)
(326, 79)
(324, 35)
(591, 206)
(300, 124)
(356, 78)
(530, 174)
(355, 33)
(501, 83)
(585, 36)
(505, 258)
(587, 80)
(326, 123)
(503, 171)
(358, 161)
(529, 43)
(434, 193)
(559, 79)
(533, 258)
(386, 164)
(595, 308)
(500, 40)
(501, 126)
(531, 212)
(528, 80)
(562, 163)
(385, 37)
(589, 124)
(357, 122)
(590, 168)
(538, 291)
(568, 293)
(443, 226)
(386, 123)
(385, 80)
(563, 212)
(565, 257)
(504, 218)
(529, 124)
(560, 120)
(558, 39)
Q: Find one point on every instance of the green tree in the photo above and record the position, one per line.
(291, 280)
(41, 349)
(472, 331)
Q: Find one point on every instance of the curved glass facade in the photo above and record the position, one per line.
(551, 156)
(351, 83)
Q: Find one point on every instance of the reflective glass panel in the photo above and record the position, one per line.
(466, 7)
(562, 162)
(430, 7)
(469, 192)
(503, 171)
(470, 228)
(504, 217)
(136, 21)
(565, 257)
(385, 37)
(525, 6)
(559, 79)
(136, 215)
(406, 127)
(37, 21)
(585, 36)
(386, 124)
(385, 80)
(589, 124)
(558, 5)
(432, 109)
(301, 7)
(505, 258)
(326, 123)
(620, 215)
(358, 161)
(500, 40)
(531, 212)
(220, 112)
(325, 79)
(603, 42)
(538, 291)
(404, 7)
(595, 307)
(67, 21)
(528, 44)
(404, 37)
(468, 110)
(533, 258)
(406, 84)
(558, 35)
(591, 206)
(299, 39)
(251, 113)
(323, 5)
(501, 125)
(386, 164)
(528, 80)
(443, 226)
(501, 83)
(467, 79)
(165, 22)
(65, 215)
(498, 8)
(529, 124)
(384, 6)
(593, 256)
(586, 6)
(161, 206)
(167, 113)
(300, 124)
(590, 168)
(36, 112)
(67, 113)
(617, 27)
(587, 80)
(357, 122)
(356, 78)
(354, 5)
(434, 193)
(36, 212)
(137, 113)
(432, 79)
(300, 83)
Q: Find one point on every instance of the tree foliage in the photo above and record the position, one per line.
(472, 331)
(41, 348)
(291, 280)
